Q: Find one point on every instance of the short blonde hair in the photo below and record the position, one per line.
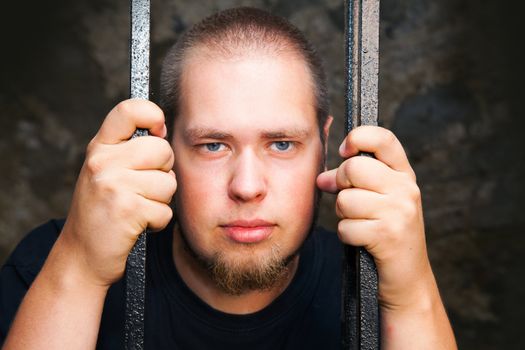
(237, 31)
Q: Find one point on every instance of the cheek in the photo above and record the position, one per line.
(296, 189)
(197, 195)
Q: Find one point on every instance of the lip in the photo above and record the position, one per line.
(248, 231)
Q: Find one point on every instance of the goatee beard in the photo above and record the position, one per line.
(236, 277)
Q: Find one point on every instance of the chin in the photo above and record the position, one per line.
(237, 273)
(237, 268)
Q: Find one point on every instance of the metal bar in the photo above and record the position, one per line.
(139, 49)
(360, 316)
(136, 263)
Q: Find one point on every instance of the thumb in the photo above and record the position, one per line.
(326, 181)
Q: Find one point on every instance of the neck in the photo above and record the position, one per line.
(197, 278)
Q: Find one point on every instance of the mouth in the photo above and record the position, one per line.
(248, 231)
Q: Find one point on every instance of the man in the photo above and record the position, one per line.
(241, 266)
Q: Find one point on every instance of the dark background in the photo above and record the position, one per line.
(450, 88)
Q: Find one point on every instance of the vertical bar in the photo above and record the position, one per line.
(360, 314)
(369, 61)
(136, 263)
(369, 70)
(139, 49)
(349, 312)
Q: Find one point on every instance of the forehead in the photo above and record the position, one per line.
(248, 91)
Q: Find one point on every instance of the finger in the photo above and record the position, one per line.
(359, 232)
(156, 214)
(355, 203)
(326, 181)
(366, 173)
(381, 142)
(143, 153)
(126, 117)
(154, 185)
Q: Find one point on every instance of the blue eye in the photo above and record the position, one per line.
(214, 146)
(282, 145)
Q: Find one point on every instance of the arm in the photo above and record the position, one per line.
(124, 186)
(60, 310)
(379, 204)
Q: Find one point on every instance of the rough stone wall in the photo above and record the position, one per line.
(450, 88)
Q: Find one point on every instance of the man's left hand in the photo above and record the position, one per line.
(379, 204)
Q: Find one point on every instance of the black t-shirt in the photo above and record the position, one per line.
(305, 316)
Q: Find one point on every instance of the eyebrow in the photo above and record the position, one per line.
(194, 134)
(205, 133)
(286, 133)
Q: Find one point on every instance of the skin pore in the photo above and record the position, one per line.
(247, 153)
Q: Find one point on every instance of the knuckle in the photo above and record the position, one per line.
(165, 148)
(91, 146)
(410, 191)
(168, 214)
(345, 233)
(382, 227)
(158, 116)
(104, 186)
(163, 152)
(172, 185)
(124, 108)
(399, 222)
(407, 208)
(410, 177)
(338, 209)
(349, 165)
(376, 227)
(407, 187)
(159, 146)
(353, 166)
(126, 206)
(412, 210)
(94, 164)
(389, 135)
(414, 192)
(388, 138)
(341, 203)
(163, 216)
(392, 231)
(413, 175)
(167, 187)
(397, 236)
(342, 230)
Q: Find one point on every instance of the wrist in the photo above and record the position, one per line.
(423, 321)
(65, 271)
(419, 295)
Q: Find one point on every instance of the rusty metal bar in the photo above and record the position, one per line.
(136, 263)
(360, 317)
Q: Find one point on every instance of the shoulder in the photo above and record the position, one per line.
(31, 253)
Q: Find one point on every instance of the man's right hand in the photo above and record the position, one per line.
(124, 187)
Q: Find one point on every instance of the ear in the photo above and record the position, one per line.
(326, 133)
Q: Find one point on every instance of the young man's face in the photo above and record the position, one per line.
(247, 153)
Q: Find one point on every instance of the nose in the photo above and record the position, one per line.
(247, 182)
